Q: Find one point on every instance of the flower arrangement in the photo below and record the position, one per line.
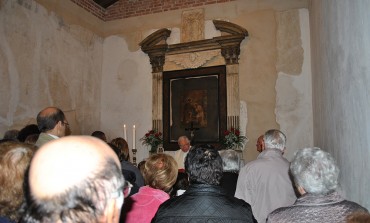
(152, 138)
(233, 139)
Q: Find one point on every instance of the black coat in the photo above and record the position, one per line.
(204, 203)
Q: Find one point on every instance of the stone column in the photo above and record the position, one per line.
(233, 103)
(157, 101)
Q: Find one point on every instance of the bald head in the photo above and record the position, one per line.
(61, 164)
(52, 120)
(75, 178)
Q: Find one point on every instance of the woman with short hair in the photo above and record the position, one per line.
(160, 173)
(316, 175)
(15, 158)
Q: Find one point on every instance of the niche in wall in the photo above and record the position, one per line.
(181, 62)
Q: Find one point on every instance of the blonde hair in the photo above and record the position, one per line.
(15, 158)
(160, 172)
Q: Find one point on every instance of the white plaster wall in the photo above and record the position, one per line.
(44, 62)
(341, 96)
(294, 98)
(126, 93)
(127, 88)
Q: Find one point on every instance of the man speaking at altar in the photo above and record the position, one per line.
(180, 155)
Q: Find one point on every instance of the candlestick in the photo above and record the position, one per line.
(134, 156)
(124, 132)
(133, 137)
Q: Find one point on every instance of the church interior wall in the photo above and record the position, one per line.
(341, 83)
(46, 61)
(55, 53)
(102, 79)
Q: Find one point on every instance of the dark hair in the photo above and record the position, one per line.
(47, 122)
(84, 202)
(32, 139)
(11, 134)
(99, 135)
(123, 151)
(26, 131)
(182, 183)
(204, 165)
(116, 150)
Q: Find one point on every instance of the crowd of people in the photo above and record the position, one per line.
(47, 176)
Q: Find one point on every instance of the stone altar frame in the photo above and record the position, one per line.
(221, 50)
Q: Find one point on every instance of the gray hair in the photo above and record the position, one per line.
(185, 138)
(230, 160)
(274, 139)
(315, 170)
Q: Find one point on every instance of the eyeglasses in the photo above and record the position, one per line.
(127, 189)
(66, 124)
(124, 190)
(183, 145)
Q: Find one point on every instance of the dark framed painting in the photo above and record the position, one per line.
(194, 104)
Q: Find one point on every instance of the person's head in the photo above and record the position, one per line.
(182, 183)
(358, 217)
(32, 139)
(230, 160)
(11, 134)
(52, 120)
(123, 151)
(260, 144)
(15, 158)
(27, 131)
(75, 179)
(141, 166)
(160, 172)
(314, 171)
(99, 135)
(274, 139)
(184, 143)
(203, 164)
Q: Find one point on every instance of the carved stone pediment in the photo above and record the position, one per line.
(194, 59)
(228, 43)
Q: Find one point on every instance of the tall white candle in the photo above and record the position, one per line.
(124, 132)
(133, 137)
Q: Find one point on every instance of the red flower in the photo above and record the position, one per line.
(147, 134)
(157, 135)
(226, 132)
(237, 132)
(151, 131)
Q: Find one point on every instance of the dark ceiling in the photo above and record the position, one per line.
(105, 3)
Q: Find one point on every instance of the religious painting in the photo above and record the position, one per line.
(194, 105)
(193, 108)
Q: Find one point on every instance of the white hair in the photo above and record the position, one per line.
(185, 138)
(230, 160)
(274, 139)
(315, 170)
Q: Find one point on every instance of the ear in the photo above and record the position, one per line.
(57, 128)
(112, 212)
(301, 190)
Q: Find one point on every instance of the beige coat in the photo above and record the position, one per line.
(43, 138)
(265, 184)
(180, 158)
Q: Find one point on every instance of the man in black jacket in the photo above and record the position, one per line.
(205, 200)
